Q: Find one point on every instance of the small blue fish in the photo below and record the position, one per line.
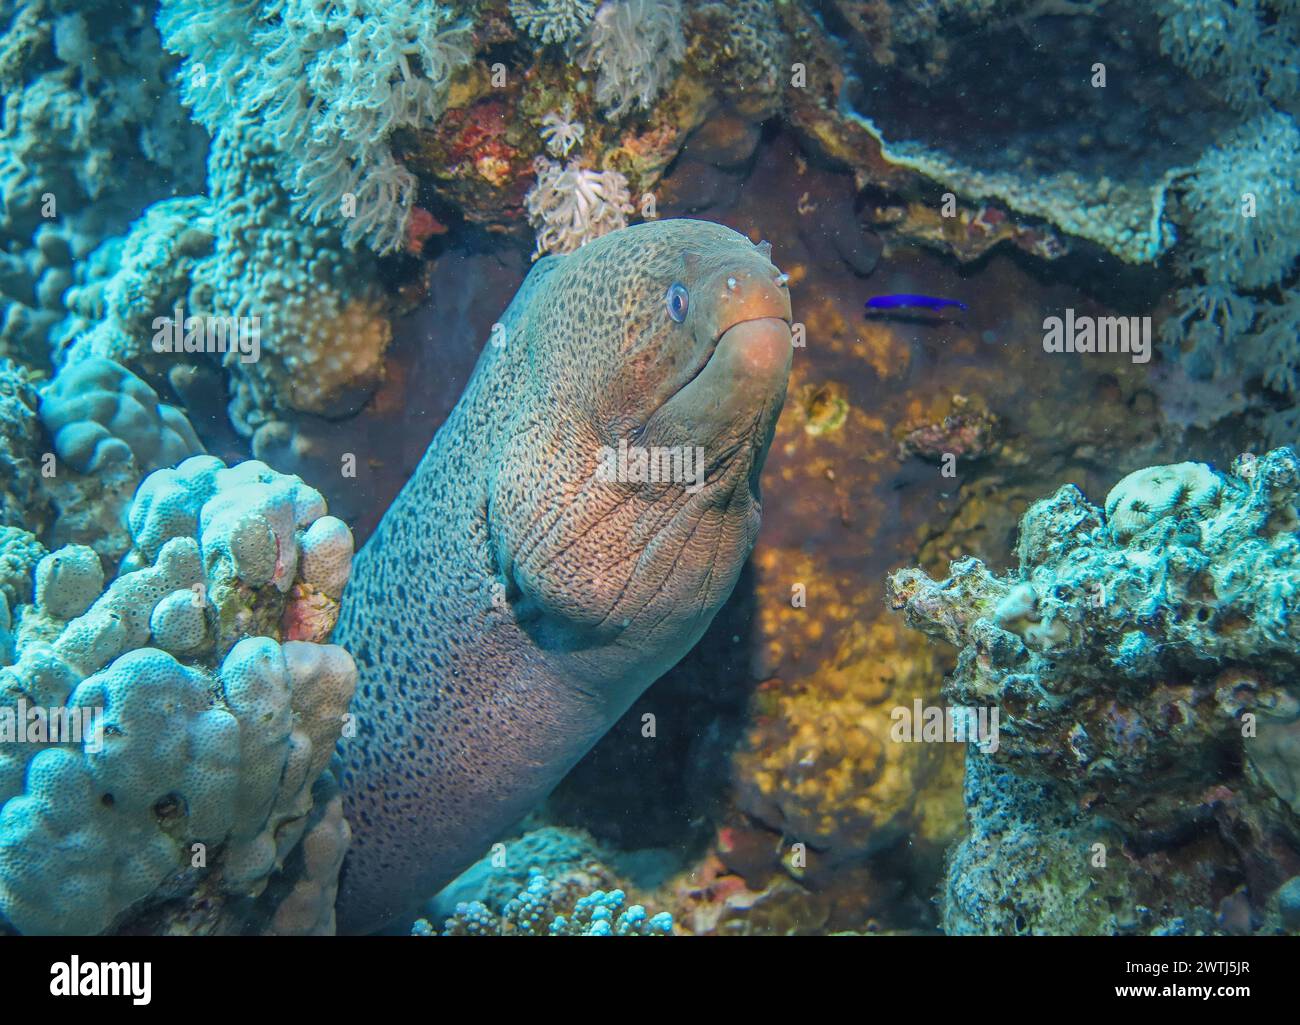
(897, 302)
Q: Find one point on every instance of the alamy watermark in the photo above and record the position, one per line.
(22, 723)
(1086, 334)
(77, 978)
(945, 724)
(220, 335)
(634, 464)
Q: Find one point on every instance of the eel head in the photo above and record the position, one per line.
(627, 497)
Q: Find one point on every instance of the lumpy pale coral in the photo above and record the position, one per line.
(206, 728)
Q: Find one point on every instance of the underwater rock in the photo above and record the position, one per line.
(190, 776)
(968, 431)
(1111, 178)
(819, 763)
(1134, 657)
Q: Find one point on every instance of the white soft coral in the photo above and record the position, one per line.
(635, 44)
(552, 21)
(331, 81)
(570, 205)
(561, 133)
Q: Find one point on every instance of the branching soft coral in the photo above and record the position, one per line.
(1244, 203)
(331, 82)
(1249, 46)
(1242, 239)
(634, 44)
(553, 21)
(570, 205)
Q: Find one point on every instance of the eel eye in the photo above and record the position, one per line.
(678, 299)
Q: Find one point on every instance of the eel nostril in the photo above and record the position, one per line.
(782, 279)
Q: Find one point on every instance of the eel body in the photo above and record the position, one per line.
(524, 589)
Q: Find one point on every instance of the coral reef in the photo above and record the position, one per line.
(202, 712)
(93, 132)
(301, 323)
(1103, 180)
(1135, 656)
(888, 105)
(331, 85)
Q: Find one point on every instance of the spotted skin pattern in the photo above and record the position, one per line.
(513, 602)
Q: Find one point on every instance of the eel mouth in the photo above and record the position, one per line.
(759, 339)
(740, 383)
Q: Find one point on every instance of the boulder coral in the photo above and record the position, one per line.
(202, 732)
(106, 429)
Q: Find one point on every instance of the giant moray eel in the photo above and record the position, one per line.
(513, 603)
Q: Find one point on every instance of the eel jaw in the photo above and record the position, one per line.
(730, 405)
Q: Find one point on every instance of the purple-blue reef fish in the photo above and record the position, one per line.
(905, 300)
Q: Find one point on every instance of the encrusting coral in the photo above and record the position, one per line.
(204, 702)
(1139, 659)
